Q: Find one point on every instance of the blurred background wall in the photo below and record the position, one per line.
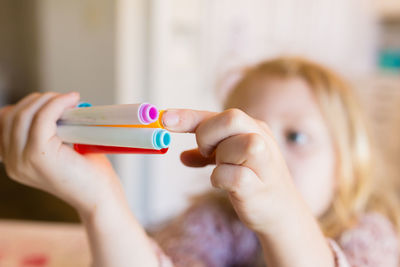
(175, 53)
(76, 47)
(18, 46)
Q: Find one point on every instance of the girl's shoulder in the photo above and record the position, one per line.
(373, 241)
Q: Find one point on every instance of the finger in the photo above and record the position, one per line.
(249, 150)
(44, 124)
(264, 127)
(22, 117)
(184, 120)
(9, 121)
(6, 122)
(12, 146)
(3, 113)
(223, 125)
(260, 154)
(193, 158)
(235, 179)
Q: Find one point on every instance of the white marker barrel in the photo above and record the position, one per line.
(150, 138)
(128, 114)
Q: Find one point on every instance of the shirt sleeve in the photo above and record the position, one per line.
(371, 243)
(207, 235)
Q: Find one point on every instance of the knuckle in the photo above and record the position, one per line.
(49, 94)
(254, 145)
(34, 94)
(264, 126)
(40, 116)
(189, 114)
(232, 117)
(186, 118)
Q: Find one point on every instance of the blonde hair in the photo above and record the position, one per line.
(356, 190)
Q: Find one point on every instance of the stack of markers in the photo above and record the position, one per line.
(130, 128)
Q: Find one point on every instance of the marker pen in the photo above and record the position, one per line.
(85, 149)
(148, 138)
(156, 124)
(128, 114)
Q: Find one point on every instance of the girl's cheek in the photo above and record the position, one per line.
(303, 151)
(301, 161)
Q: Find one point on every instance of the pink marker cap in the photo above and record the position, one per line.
(148, 113)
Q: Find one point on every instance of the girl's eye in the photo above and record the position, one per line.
(297, 138)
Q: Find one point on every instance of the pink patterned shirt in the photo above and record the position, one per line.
(208, 235)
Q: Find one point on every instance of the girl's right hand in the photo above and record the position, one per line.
(35, 156)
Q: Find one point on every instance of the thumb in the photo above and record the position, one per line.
(193, 158)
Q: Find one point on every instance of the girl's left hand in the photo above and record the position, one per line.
(250, 167)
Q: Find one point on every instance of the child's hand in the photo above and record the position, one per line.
(34, 155)
(249, 164)
(252, 170)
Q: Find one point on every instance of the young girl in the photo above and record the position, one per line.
(292, 164)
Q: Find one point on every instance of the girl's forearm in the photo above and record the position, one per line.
(296, 241)
(116, 238)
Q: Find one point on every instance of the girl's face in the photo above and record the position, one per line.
(290, 109)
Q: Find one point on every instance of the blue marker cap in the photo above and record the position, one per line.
(84, 105)
(161, 139)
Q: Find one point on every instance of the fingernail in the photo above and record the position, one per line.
(170, 118)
